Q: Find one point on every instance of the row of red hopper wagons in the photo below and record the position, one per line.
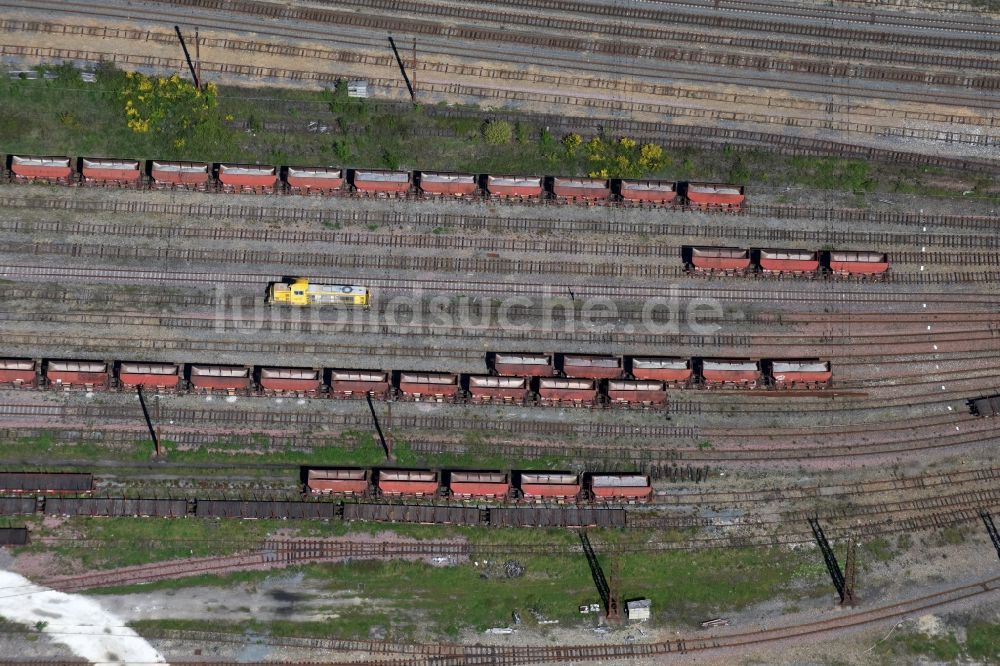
(249, 178)
(516, 378)
(734, 260)
(466, 485)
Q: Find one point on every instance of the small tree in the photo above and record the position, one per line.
(571, 142)
(497, 132)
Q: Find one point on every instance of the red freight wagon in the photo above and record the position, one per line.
(359, 383)
(102, 171)
(672, 370)
(590, 189)
(407, 482)
(648, 191)
(454, 184)
(720, 258)
(338, 481)
(290, 380)
(486, 388)
(149, 375)
(185, 175)
(591, 366)
(48, 169)
(577, 391)
(789, 261)
(479, 484)
(382, 182)
(800, 372)
(550, 485)
(859, 262)
(742, 372)
(314, 179)
(715, 194)
(79, 374)
(514, 186)
(522, 365)
(620, 486)
(644, 392)
(228, 378)
(17, 371)
(436, 385)
(248, 178)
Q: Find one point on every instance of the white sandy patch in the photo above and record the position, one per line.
(77, 622)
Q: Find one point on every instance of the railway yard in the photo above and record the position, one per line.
(293, 376)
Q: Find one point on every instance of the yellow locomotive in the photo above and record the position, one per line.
(300, 292)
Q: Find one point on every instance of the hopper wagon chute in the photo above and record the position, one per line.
(179, 175)
(447, 184)
(514, 187)
(341, 481)
(415, 483)
(99, 171)
(359, 383)
(17, 372)
(674, 371)
(549, 485)
(479, 485)
(647, 191)
(309, 180)
(41, 169)
(381, 183)
(157, 376)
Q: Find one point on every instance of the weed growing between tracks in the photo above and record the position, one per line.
(67, 116)
(425, 601)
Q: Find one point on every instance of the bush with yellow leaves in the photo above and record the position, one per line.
(170, 106)
(623, 158)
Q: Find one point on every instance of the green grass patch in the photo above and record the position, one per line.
(982, 641)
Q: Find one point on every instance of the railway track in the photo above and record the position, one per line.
(961, 256)
(828, 296)
(491, 223)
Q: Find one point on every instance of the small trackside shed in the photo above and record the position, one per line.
(589, 189)
(300, 381)
(805, 372)
(489, 388)
(550, 485)
(591, 366)
(637, 392)
(493, 485)
(314, 179)
(417, 483)
(338, 481)
(720, 372)
(248, 178)
(522, 365)
(359, 383)
(428, 385)
(149, 375)
(671, 370)
(46, 169)
(522, 187)
(77, 374)
(17, 372)
(859, 262)
(718, 258)
(229, 379)
(789, 261)
(714, 194)
(110, 171)
(648, 191)
(576, 391)
(181, 175)
(620, 486)
(447, 184)
(381, 182)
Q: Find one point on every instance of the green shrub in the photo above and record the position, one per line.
(497, 132)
